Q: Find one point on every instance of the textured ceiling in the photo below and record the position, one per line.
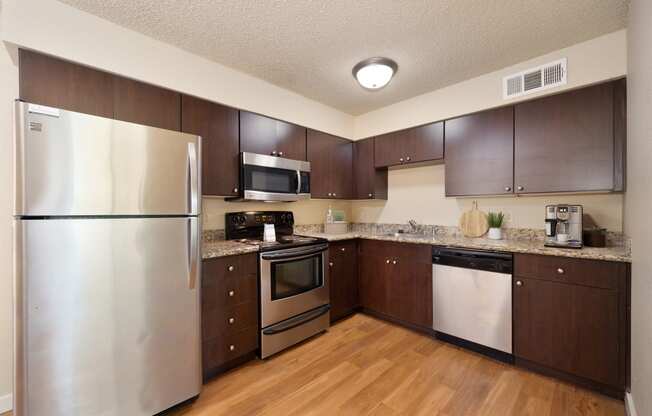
(310, 46)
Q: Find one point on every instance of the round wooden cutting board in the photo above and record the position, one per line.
(473, 222)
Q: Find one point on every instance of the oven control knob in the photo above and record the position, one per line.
(242, 219)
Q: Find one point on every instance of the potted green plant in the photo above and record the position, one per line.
(495, 220)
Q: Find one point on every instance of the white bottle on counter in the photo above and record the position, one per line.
(329, 216)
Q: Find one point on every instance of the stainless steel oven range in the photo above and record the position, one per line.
(294, 287)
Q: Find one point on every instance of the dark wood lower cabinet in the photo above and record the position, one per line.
(396, 281)
(229, 312)
(573, 329)
(343, 274)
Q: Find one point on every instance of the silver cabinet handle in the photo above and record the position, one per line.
(560, 271)
(508, 188)
(330, 264)
(371, 195)
(401, 160)
(343, 249)
(408, 158)
(334, 194)
(231, 347)
(231, 268)
(193, 192)
(231, 321)
(388, 261)
(274, 153)
(235, 190)
(520, 188)
(231, 293)
(519, 283)
(394, 261)
(280, 154)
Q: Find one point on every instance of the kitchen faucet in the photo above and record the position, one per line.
(413, 226)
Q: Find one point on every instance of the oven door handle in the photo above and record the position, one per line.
(294, 253)
(297, 320)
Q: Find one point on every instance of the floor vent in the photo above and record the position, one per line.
(541, 78)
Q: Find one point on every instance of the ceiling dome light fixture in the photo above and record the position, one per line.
(374, 73)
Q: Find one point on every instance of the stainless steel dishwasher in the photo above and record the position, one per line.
(472, 295)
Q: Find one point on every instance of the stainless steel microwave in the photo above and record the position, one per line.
(272, 178)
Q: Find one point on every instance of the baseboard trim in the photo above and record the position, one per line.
(630, 409)
(6, 403)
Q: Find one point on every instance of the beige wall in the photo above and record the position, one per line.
(418, 193)
(8, 91)
(637, 201)
(305, 212)
(588, 62)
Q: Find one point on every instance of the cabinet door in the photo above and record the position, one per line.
(425, 143)
(268, 136)
(56, 83)
(320, 154)
(565, 142)
(480, 153)
(147, 104)
(342, 168)
(417, 144)
(374, 276)
(218, 127)
(370, 183)
(571, 328)
(410, 287)
(343, 278)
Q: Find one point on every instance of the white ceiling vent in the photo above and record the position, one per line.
(531, 80)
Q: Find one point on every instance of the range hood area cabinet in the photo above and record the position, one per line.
(331, 166)
(569, 142)
(413, 145)
(268, 136)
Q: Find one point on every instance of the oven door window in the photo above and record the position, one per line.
(264, 179)
(293, 277)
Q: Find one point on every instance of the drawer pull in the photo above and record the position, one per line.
(387, 261)
(371, 195)
(330, 264)
(519, 283)
(343, 249)
(560, 271)
(231, 347)
(394, 261)
(230, 268)
(231, 321)
(231, 293)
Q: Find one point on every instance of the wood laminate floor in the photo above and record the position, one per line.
(364, 366)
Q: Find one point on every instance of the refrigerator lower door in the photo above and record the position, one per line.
(70, 164)
(107, 316)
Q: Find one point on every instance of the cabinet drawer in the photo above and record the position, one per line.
(229, 281)
(222, 267)
(593, 273)
(224, 349)
(341, 249)
(221, 322)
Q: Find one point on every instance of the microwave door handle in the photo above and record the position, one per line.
(298, 182)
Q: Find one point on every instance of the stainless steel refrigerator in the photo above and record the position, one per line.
(107, 265)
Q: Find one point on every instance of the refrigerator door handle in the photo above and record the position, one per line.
(192, 253)
(192, 179)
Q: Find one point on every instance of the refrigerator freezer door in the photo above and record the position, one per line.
(107, 316)
(70, 164)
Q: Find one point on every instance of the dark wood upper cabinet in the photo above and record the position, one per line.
(417, 144)
(57, 83)
(219, 129)
(268, 136)
(138, 102)
(331, 165)
(343, 274)
(480, 153)
(370, 183)
(565, 142)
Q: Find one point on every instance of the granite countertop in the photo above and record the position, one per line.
(616, 253)
(222, 248)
